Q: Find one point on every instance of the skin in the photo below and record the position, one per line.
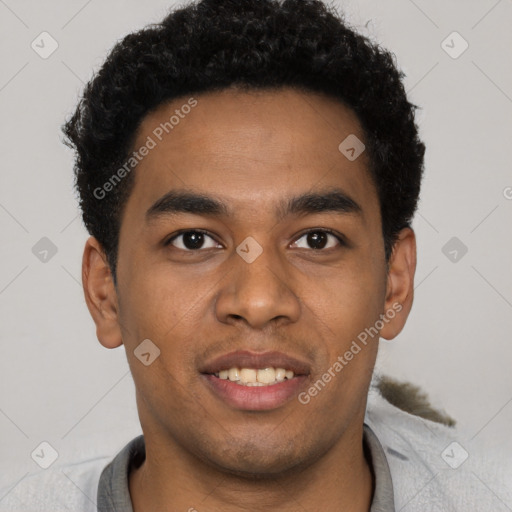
(251, 151)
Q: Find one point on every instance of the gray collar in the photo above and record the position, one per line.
(114, 493)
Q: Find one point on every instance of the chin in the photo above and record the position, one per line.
(258, 471)
(263, 462)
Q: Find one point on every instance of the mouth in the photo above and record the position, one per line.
(251, 381)
(255, 376)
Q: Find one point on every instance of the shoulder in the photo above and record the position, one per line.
(60, 487)
(432, 467)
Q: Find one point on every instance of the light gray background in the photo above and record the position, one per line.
(59, 385)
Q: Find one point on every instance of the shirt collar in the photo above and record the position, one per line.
(114, 493)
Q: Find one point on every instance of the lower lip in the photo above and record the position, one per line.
(255, 398)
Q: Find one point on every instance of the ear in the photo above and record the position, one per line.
(400, 284)
(100, 294)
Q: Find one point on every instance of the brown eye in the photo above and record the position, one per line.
(318, 239)
(192, 240)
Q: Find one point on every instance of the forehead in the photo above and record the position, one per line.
(251, 147)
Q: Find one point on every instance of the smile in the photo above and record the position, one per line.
(256, 377)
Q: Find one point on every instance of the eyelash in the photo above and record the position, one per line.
(338, 237)
(183, 232)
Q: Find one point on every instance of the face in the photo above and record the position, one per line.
(250, 242)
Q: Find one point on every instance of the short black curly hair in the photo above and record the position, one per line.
(211, 45)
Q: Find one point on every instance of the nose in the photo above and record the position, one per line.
(259, 293)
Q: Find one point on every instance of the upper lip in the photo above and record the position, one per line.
(256, 360)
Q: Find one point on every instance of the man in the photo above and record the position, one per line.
(248, 171)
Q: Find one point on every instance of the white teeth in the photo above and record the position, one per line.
(267, 375)
(248, 375)
(280, 374)
(256, 377)
(234, 374)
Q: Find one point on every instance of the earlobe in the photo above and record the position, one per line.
(100, 294)
(400, 284)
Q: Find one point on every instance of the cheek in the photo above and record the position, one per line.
(167, 309)
(155, 300)
(350, 300)
(346, 309)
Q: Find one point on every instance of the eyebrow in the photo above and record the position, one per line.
(179, 201)
(331, 200)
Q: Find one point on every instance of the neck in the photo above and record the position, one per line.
(171, 480)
